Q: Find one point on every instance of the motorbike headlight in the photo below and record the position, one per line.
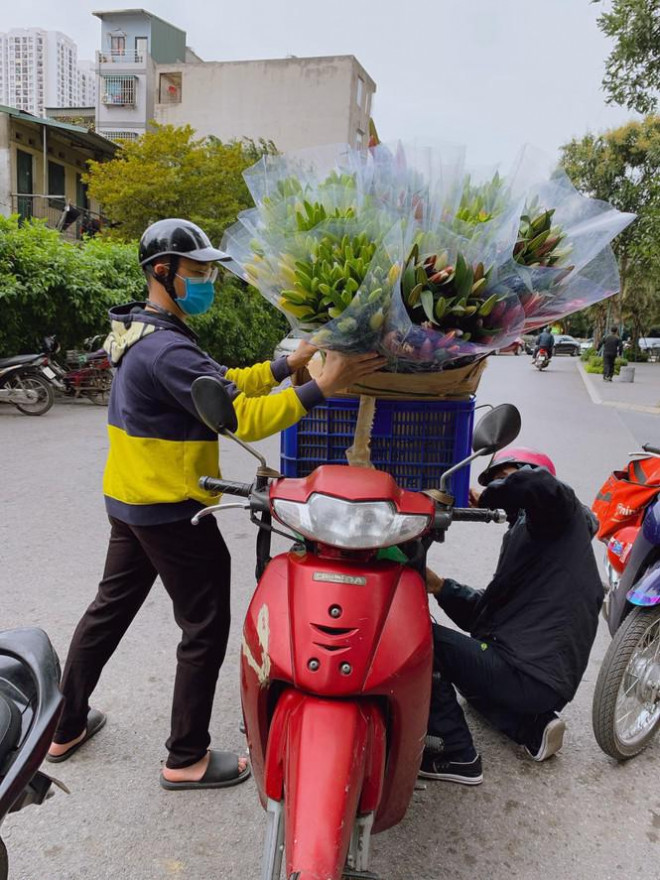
(348, 524)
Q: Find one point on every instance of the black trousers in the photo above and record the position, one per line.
(194, 565)
(512, 702)
(608, 366)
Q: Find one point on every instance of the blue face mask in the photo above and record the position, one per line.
(198, 297)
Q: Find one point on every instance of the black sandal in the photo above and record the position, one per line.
(222, 772)
(95, 721)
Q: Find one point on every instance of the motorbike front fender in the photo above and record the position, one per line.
(642, 556)
(646, 592)
(326, 758)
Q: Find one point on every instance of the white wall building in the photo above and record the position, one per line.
(294, 102)
(39, 69)
(147, 73)
(87, 84)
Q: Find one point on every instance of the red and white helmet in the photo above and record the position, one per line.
(518, 456)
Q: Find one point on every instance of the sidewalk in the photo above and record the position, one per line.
(642, 395)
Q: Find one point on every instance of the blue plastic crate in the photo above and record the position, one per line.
(415, 441)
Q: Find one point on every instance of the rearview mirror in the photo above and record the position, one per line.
(496, 429)
(213, 404)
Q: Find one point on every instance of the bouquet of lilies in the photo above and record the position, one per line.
(403, 251)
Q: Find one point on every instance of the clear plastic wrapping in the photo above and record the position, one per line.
(400, 249)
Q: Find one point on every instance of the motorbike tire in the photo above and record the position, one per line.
(4, 861)
(33, 381)
(612, 671)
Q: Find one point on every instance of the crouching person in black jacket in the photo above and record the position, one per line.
(531, 630)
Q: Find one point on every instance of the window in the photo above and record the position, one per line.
(169, 91)
(119, 90)
(118, 45)
(119, 135)
(360, 92)
(359, 139)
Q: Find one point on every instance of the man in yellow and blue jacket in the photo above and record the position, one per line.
(158, 450)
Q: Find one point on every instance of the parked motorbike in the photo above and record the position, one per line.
(25, 382)
(88, 373)
(30, 705)
(626, 704)
(542, 359)
(337, 650)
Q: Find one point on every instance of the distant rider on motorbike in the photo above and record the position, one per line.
(546, 341)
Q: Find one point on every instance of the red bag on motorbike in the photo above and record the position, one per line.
(624, 496)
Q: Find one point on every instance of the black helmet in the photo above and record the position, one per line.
(181, 238)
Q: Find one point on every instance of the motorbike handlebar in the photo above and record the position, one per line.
(211, 484)
(653, 449)
(475, 514)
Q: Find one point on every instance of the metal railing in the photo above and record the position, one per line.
(72, 221)
(121, 57)
(120, 136)
(119, 90)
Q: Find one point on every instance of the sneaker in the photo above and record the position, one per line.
(549, 741)
(439, 766)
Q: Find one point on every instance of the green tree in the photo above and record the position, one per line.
(622, 166)
(169, 173)
(48, 285)
(632, 76)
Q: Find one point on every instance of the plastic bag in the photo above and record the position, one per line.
(399, 249)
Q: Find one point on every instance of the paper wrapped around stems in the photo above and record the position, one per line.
(457, 384)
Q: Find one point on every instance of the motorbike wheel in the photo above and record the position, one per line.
(4, 861)
(45, 395)
(99, 388)
(626, 705)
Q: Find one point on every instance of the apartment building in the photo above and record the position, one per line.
(147, 72)
(40, 68)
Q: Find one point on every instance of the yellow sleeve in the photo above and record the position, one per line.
(259, 417)
(253, 381)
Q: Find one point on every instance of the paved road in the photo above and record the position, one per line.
(578, 817)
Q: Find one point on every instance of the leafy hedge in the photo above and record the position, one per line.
(594, 364)
(48, 285)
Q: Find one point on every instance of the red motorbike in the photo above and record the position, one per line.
(337, 651)
(542, 359)
(88, 373)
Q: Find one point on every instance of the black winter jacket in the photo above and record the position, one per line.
(541, 607)
(612, 345)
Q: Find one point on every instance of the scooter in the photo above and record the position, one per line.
(25, 382)
(337, 651)
(30, 705)
(626, 703)
(88, 373)
(542, 359)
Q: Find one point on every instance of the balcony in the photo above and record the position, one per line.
(71, 220)
(125, 58)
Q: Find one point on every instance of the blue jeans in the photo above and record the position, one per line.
(512, 702)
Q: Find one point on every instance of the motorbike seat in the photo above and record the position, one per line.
(17, 359)
(10, 727)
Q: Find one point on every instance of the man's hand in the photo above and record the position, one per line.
(434, 583)
(301, 356)
(342, 370)
(474, 497)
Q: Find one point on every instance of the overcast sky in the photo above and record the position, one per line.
(491, 74)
